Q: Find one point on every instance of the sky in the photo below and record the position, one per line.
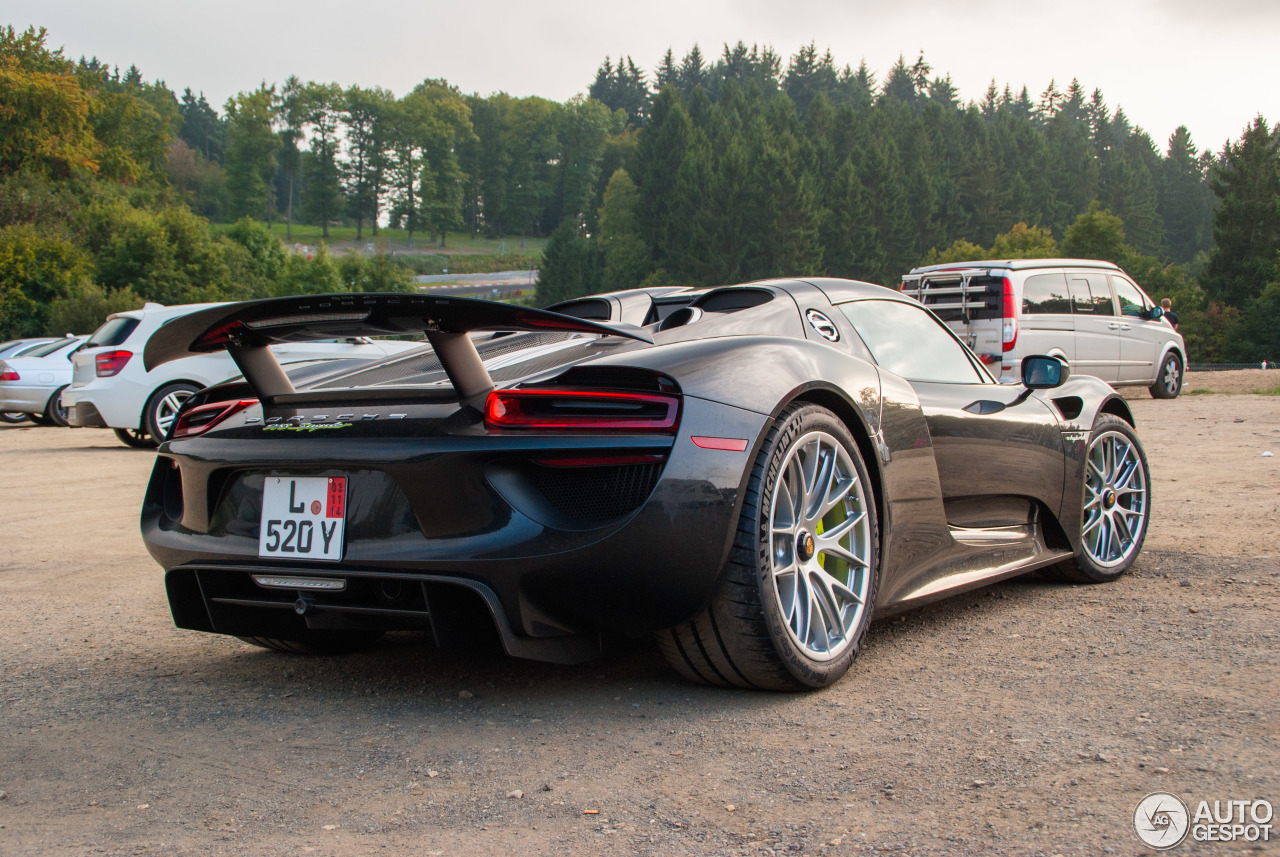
(1212, 65)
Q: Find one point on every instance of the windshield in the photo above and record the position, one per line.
(113, 332)
(49, 348)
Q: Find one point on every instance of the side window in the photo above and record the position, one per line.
(908, 341)
(1045, 293)
(1132, 301)
(1090, 294)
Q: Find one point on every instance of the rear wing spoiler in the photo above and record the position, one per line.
(958, 293)
(246, 329)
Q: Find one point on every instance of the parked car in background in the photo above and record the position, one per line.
(31, 383)
(13, 348)
(110, 387)
(1090, 314)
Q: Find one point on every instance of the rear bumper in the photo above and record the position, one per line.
(85, 415)
(435, 515)
(223, 599)
(117, 402)
(28, 400)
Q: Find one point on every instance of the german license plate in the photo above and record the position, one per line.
(303, 517)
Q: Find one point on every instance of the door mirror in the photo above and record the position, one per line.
(1040, 372)
(1155, 313)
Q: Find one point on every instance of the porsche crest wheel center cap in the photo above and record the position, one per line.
(1108, 498)
(806, 547)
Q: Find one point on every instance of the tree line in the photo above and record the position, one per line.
(743, 170)
(703, 172)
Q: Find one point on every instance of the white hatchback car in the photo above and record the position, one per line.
(1090, 314)
(31, 382)
(112, 389)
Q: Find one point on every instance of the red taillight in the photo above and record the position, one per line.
(200, 419)
(591, 410)
(9, 375)
(1009, 332)
(111, 362)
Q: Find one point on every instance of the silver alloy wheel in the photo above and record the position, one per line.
(1115, 499)
(166, 409)
(820, 545)
(1171, 376)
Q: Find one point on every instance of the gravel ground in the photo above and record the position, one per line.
(1027, 718)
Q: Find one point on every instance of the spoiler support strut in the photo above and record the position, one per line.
(261, 369)
(461, 362)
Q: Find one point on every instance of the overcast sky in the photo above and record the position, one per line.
(1211, 65)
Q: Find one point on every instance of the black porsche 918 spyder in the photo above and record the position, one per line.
(751, 473)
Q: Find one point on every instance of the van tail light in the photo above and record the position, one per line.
(1009, 332)
(7, 374)
(111, 362)
(199, 420)
(585, 410)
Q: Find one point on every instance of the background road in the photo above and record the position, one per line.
(1029, 718)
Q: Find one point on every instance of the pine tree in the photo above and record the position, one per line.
(692, 72)
(1246, 225)
(667, 73)
(663, 149)
(1185, 200)
(852, 246)
(570, 266)
(625, 258)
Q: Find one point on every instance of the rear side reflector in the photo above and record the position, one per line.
(111, 362)
(588, 410)
(200, 419)
(732, 444)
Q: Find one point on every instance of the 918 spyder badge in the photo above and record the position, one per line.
(303, 517)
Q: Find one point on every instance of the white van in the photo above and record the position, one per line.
(1091, 314)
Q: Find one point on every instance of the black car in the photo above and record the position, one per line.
(751, 473)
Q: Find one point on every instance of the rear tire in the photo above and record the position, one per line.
(1117, 505)
(12, 417)
(135, 438)
(162, 408)
(794, 601)
(1169, 382)
(318, 642)
(54, 412)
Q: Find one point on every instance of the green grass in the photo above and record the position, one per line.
(1275, 391)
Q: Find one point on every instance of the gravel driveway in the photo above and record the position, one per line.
(1028, 718)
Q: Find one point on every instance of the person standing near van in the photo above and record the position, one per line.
(1167, 306)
